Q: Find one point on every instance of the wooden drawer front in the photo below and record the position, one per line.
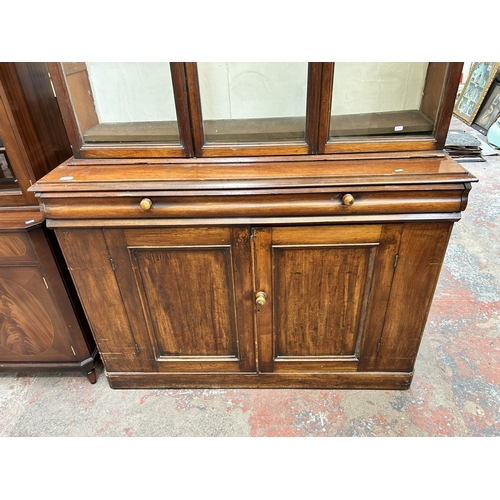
(365, 202)
(15, 248)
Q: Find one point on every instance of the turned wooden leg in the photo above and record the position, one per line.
(92, 376)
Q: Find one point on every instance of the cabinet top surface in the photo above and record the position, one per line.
(76, 176)
(14, 219)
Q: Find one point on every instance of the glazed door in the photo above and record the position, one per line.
(188, 296)
(321, 295)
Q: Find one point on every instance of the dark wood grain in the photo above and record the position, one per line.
(323, 299)
(194, 102)
(345, 380)
(189, 299)
(318, 297)
(191, 175)
(36, 114)
(18, 157)
(445, 110)
(420, 258)
(25, 326)
(187, 294)
(201, 204)
(86, 255)
(181, 99)
(12, 246)
(345, 237)
(42, 327)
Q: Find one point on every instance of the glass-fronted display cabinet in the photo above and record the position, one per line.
(256, 224)
(151, 109)
(42, 324)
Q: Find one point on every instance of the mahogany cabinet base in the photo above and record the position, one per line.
(87, 366)
(339, 380)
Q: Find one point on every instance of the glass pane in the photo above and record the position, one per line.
(253, 102)
(7, 178)
(123, 102)
(383, 99)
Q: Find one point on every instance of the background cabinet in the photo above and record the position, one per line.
(42, 324)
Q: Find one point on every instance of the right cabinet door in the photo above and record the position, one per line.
(327, 289)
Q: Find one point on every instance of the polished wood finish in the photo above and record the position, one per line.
(332, 247)
(42, 324)
(425, 129)
(71, 84)
(321, 279)
(36, 116)
(261, 265)
(439, 96)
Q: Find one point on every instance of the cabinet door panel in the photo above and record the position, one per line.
(193, 289)
(318, 296)
(31, 327)
(323, 301)
(202, 312)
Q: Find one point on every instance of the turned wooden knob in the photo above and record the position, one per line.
(146, 204)
(260, 298)
(348, 200)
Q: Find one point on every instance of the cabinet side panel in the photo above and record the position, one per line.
(86, 254)
(421, 255)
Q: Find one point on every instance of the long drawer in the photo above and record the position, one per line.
(257, 203)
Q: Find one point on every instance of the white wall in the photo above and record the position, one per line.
(127, 92)
(252, 90)
(132, 92)
(375, 87)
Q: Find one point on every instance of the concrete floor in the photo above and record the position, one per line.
(455, 391)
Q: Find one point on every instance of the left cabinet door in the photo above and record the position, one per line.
(173, 300)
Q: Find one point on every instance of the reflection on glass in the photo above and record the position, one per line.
(123, 102)
(7, 178)
(383, 99)
(253, 102)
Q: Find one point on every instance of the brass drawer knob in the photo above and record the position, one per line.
(348, 200)
(260, 298)
(146, 204)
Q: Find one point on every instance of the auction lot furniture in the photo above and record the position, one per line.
(256, 224)
(42, 324)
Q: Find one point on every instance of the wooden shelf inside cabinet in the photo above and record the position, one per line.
(372, 124)
(144, 132)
